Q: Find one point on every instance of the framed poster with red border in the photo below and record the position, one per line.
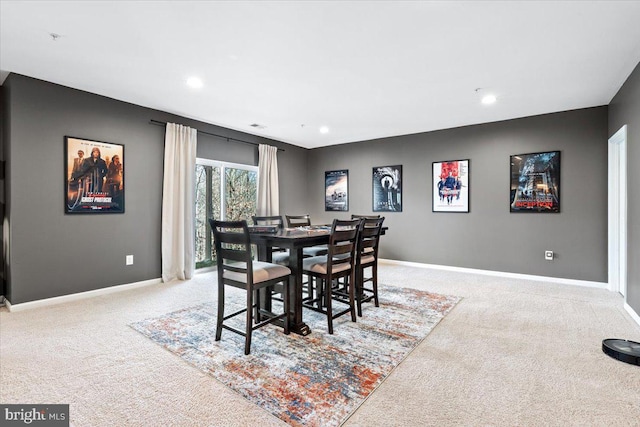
(450, 186)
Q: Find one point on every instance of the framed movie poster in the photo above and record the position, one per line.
(450, 186)
(535, 182)
(387, 189)
(336, 190)
(94, 176)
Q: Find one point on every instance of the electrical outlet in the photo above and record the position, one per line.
(129, 260)
(548, 255)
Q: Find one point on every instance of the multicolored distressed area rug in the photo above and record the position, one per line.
(316, 380)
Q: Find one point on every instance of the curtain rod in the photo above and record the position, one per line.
(228, 138)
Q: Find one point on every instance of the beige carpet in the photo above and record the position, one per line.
(511, 353)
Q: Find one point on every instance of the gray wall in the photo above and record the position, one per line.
(489, 237)
(53, 254)
(625, 109)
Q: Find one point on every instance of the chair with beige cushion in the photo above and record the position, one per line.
(355, 216)
(305, 221)
(326, 270)
(367, 257)
(237, 269)
(278, 255)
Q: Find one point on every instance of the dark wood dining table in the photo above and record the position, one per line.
(294, 239)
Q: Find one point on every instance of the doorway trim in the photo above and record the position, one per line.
(617, 208)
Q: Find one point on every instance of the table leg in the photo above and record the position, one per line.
(296, 324)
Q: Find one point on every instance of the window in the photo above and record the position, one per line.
(225, 191)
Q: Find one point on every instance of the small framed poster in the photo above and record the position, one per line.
(535, 182)
(387, 188)
(450, 186)
(94, 176)
(336, 190)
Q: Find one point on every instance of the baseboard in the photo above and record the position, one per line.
(632, 313)
(600, 285)
(79, 296)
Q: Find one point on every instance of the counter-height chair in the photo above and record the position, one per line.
(278, 255)
(298, 220)
(354, 216)
(367, 257)
(304, 221)
(237, 269)
(324, 271)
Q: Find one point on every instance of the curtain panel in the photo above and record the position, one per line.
(178, 234)
(268, 193)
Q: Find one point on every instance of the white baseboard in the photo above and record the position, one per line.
(632, 313)
(600, 285)
(80, 295)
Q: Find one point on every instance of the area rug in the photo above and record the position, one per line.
(315, 380)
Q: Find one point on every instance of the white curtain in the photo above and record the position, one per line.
(178, 234)
(268, 193)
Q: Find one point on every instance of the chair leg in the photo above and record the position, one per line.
(359, 292)
(352, 285)
(285, 298)
(319, 292)
(249, 327)
(220, 311)
(310, 287)
(256, 313)
(327, 303)
(374, 271)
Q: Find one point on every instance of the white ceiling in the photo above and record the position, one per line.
(365, 69)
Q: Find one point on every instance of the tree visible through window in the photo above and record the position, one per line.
(223, 191)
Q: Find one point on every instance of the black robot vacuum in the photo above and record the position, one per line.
(624, 350)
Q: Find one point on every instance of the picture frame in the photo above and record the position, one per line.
(450, 186)
(387, 188)
(535, 182)
(94, 176)
(336, 190)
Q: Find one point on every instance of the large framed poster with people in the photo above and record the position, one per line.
(450, 186)
(94, 176)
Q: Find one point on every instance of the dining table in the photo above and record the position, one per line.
(295, 240)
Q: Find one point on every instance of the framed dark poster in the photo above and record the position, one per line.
(336, 190)
(387, 188)
(94, 176)
(450, 186)
(535, 182)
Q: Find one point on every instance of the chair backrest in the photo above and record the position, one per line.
(342, 245)
(354, 216)
(298, 220)
(233, 250)
(268, 220)
(369, 237)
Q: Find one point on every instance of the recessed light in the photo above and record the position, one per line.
(324, 129)
(194, 82)
(488, 99)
